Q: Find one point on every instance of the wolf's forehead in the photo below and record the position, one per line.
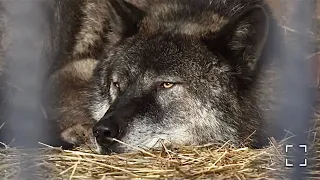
(165, 56)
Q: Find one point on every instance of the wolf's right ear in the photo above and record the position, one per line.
(123, 20)
(243, 39)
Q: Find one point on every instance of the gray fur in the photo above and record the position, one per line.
(218, 53)
(205, 48)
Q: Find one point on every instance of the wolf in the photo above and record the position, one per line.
(185, 72)
(189, 72)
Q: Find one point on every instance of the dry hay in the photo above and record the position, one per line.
(207, 161)
(184, 162)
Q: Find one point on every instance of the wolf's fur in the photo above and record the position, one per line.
(219, 54)
(84, 34)
(78, 38)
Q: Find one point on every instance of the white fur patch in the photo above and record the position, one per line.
(147, 136)
(176, 136)
(99, 109)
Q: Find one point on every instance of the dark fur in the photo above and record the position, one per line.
(213, 51)
(83, 31)
(221, 74)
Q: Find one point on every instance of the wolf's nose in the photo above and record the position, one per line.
(105, 132)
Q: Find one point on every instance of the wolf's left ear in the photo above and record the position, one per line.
(243, 38)
(123, 20)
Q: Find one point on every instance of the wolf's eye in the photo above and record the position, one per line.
(116, 84)
(167, 85)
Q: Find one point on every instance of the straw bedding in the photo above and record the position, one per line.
(185, 162)
(207, 161)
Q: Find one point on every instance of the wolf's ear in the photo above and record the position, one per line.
(242, 40)
(123, 20)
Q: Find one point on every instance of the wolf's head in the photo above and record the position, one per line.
(182, 71)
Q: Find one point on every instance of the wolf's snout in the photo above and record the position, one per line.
(105, 130)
